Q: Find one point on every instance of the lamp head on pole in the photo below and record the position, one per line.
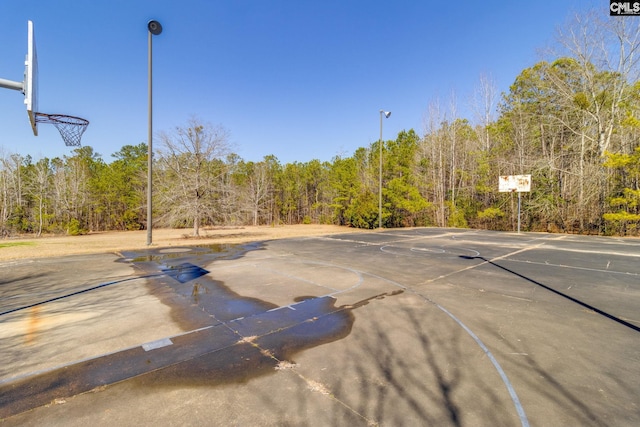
(386, 113)
(154, 27)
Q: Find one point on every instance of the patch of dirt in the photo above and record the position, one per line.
(115, 241)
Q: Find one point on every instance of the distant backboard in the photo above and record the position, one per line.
(30, 84)
(514, 183)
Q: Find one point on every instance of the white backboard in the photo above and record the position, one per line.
(31, 79)
(514, 183)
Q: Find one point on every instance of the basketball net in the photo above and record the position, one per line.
(71, 128)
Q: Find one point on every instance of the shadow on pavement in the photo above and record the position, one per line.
(570, 298)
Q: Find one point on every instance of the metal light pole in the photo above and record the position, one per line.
(154, 28)
(386, 114)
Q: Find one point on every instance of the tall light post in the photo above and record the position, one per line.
(154, 28)
(385, 114)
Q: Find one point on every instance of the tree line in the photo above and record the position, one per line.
(571, 122)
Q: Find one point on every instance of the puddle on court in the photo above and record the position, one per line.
(279, 336)
(210, 251)
(215, 299)
(277, 333)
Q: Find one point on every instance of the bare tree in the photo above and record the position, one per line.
(6, 196)
(431, 151)
(484, 104)
(440, 149)
(40, 188)
(607, 52)
(258, 189)
(191, 164)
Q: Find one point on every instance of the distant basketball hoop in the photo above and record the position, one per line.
(71, 128)
(515, 184)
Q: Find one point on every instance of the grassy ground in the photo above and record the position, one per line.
(42, 247)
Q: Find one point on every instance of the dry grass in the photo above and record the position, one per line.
(12, 249)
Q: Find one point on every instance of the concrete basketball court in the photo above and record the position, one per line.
(407, 327)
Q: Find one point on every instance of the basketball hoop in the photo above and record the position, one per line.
(71, 128)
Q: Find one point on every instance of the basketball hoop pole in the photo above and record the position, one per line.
(10, 84)
(515, 190)
(519, 197)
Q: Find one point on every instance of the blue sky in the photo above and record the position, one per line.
(297, 79)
